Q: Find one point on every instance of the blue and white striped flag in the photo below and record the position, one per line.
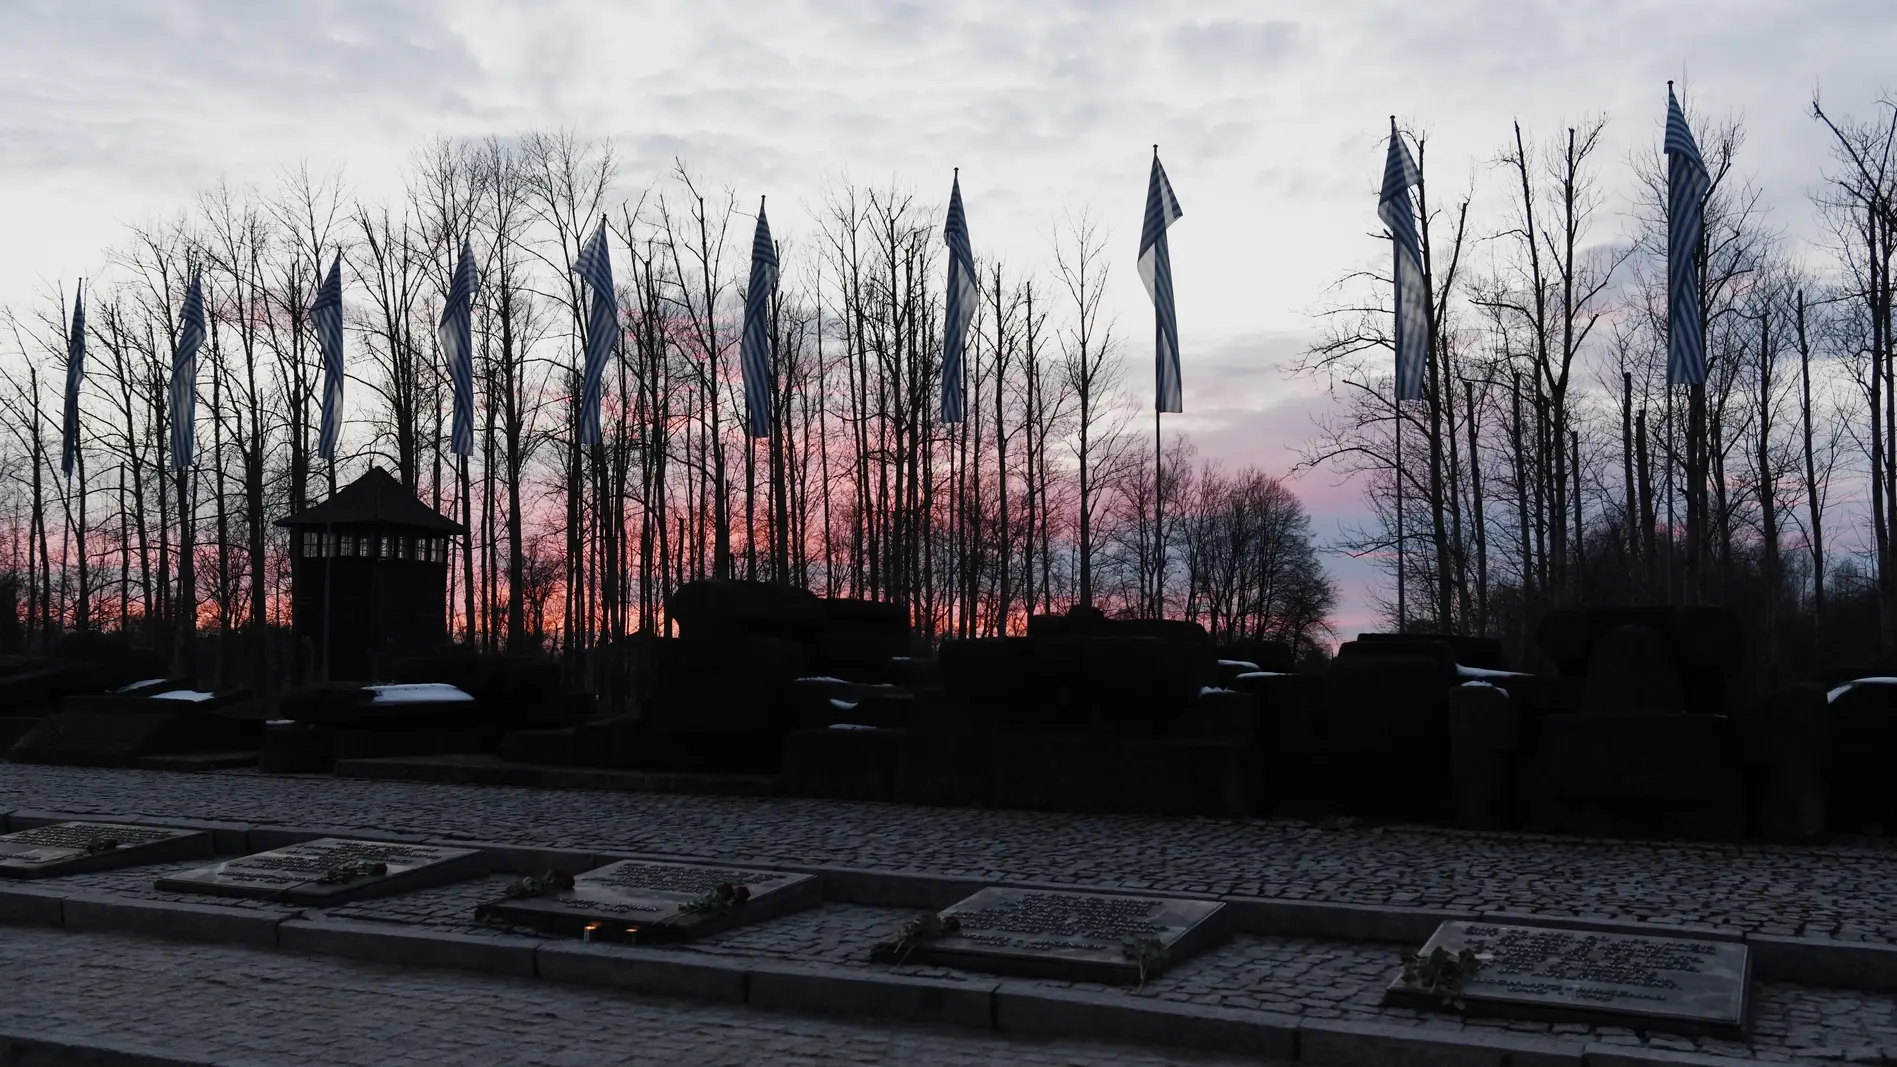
(1412, 295)
(962, 295)
(184, 375)
(754, 351)
(595, 267)
(456, 334)
(1155, 266)
(1686, 186)
(75, 374)
(327, 316)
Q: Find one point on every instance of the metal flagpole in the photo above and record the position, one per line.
(1401, 605)
(1159, 522)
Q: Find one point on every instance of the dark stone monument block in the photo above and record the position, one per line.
(1633, 671)
(1862, 720)
(839, 763)
(294, 748)
(79, 847)
(317, 873)
(1073, 937)
(951, 769)
(1484, 732)
(645, 902)
(1645, 776)
(1148, 776)
(1685, 986)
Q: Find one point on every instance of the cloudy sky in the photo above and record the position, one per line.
(1270, 116)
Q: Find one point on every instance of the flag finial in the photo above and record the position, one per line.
(1155, 151)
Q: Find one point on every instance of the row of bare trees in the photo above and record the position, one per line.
(1549, 465)
(1036, 501)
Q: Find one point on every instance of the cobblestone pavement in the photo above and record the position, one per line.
(1302, 977)
(225, 1003)
(1838, 891)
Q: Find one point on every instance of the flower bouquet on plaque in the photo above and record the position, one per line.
(1148, 953)
(928, 927)
(344, 873)
(539, 885)
(1443, 973)
(722, 898)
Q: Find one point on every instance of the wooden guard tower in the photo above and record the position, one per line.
(369, 579)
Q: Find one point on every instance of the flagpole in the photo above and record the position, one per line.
(1159, 501)
(1159, 523)
(1401, 607)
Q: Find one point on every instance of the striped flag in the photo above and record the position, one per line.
(75, 373)
(1412, 295)
(1155, 266)
(1686, 186)
(327, 315)
(184, 375)
(595, 267)
(754, 351)
(961, 303)
(456, 334)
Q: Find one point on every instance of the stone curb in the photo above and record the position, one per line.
(517, 776)
(1776, 958)
(23, 1049)
(379, 943)
(704, 977)
(172, 919)
(978, 1004)
(1023, 1009)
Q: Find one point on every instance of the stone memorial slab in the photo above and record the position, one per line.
(331, 870)
(80, 847)
(1684, 985)
(1079, 937)
(647, 902)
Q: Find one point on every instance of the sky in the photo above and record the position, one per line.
(1270, 117)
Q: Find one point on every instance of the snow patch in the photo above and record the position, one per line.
(1261, 674)
(825, 678)
(1207, 690)
(1242, 664)
(137, 685)
(1484, 672)
(849, 726)
(419, 693)
(182, 694)
(1854, 683)
(843, 705)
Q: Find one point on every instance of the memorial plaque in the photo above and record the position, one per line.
(647, 902)
(79, 847)
(331, 870)
(1688, 986)
(1079, 937)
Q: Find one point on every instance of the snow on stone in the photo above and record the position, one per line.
(849, 726)
(843, 705)
(419, 693)
(1242, 664)
(182, 694)
(1206, 690)
(1854, 683)
(137, 685)
(1261, 674)
(1478, 684)
(825, 678)
(1484, 672)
